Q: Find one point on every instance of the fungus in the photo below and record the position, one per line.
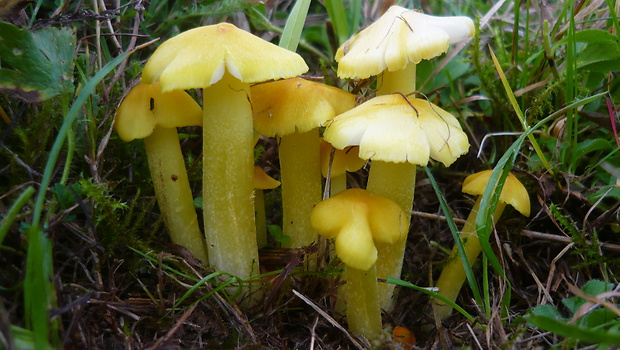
(393, 45)
(356, 220)
(262, 181)
(453, 274)
(344, 160)
(224, 60)
(147, 113)
(397, 133)
(293, 109)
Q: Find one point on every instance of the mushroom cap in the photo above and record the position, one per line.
(198, 58)
(346, 159)
(399, 37)
(296, 105)
(144, 107)
(394, 128)
(513, 192)
(356, 218)
(262, 181)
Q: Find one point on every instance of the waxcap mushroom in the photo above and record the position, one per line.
(513, 192)
(262, 181)
(356, 218)
(399, 37)
(198, 58)
(344, 160)
(394, 128)
(137, 115)
(297, 105)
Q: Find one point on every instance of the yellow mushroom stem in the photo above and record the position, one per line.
(228, 189)
(395, 181)
(362, 309)
(453, 274)
(402, 81)
(300, 169)
(172, 190)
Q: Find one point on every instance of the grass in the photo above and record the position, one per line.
(86, 263)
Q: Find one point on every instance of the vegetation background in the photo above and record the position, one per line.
(85, 261)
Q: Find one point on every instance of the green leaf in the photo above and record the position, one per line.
(561, 327)
(593, 288)
(600, 56)
(294, 25)
(41, 62)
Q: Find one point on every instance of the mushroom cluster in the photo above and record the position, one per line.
(242, 96)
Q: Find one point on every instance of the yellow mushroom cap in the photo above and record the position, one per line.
(346, 159)
(513, 192)
(356, 218)
(296, 105)
(145, 107)
(397, 129)
(262, 181)
(198, 58)
(401, 36)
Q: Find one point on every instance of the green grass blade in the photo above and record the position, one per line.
(590, 335)
(432, 294)
(335, 10)
(294, 25)
(456, 236)
(13, 211)
(520, 115)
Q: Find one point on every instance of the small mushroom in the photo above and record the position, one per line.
(344, 160)
(223, 60)
(393, 45)
(147, 113)
(356, 220)
(262, 181)
(294, 109)
(453, 274)
(397, 133)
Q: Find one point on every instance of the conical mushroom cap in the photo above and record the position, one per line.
(513, 192)
(296, 105)
(393, 128)
(401, 36)
(356, 218)
(198, 58)
(145, 107)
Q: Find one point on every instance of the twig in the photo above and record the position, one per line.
(174, 328)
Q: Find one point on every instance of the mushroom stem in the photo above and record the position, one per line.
(301, 185)
(172, 190)
(363, 309)
(261, 219)
(228, 189)
(395, 181)
(402, 81)
(453, 274)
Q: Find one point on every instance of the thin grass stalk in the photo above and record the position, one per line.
(291, 35)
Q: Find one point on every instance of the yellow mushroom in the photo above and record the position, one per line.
(294, 109)
(223, 60)
(453, 274)
(147, 113)
(356, 220)
(397, 133)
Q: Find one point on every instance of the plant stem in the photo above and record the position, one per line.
(395, 181)
(228, 188)
(363, 309)
(300, 166)
(172, 190)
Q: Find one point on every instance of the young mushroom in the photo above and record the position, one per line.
(147, 113)
(397, 133)
(356, 220)
(294, 109)
(393, 45)
(336, 168)
(224, 60)
(453, 274)
(262, 181)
